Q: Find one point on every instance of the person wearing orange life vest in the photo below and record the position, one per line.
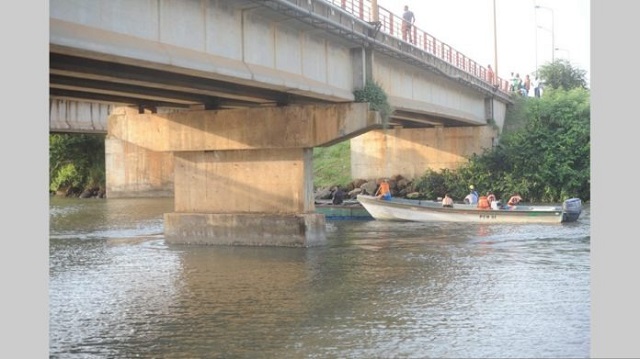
(483, 203)
(383, 191)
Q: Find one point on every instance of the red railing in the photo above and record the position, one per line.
(391, 24)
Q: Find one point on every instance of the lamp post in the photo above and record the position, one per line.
(374, 11)
(553, 46)
(495, 41)
(535, 15)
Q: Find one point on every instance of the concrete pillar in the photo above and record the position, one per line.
(245, 197)
(244, 177)
(410, 152)
(133, 171)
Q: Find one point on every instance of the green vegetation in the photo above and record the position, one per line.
(332, 165)
(545, 160)
(561, 75)
(76, 162)
(544, 151)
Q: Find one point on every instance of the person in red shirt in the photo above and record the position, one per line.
(490, 75)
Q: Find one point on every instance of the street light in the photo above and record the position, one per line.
(553, 47)
(495, 41)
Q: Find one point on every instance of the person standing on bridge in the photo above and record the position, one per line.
(536, 86)
(490, 75)
(407, 23)
(526, 85)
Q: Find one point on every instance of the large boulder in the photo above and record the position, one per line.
(323, 193)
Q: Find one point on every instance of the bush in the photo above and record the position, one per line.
(377, 98)
(76, 160)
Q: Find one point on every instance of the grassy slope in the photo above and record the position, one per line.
(332, 165)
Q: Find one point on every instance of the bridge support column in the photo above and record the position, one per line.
(410, 152)
(133, 171)
(245, 197)
(244, 177)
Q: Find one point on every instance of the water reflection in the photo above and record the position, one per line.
(378, 289)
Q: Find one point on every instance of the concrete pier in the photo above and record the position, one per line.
(240, 177)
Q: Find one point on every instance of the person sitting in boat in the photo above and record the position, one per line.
(447, 201)
(472, 197)
(473, 190)
(493, 202)
(514, 200)
(338, 196)
(483, 203)
(383, 191)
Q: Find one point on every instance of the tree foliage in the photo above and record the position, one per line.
(561, 75)
(76, 161)
(545, 159)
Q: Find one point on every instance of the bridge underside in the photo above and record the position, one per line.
(89, 80)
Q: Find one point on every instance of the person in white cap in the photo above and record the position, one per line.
(472, 197)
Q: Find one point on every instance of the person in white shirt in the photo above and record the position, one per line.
(536, 87)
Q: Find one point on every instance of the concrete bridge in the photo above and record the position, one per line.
(204, 98)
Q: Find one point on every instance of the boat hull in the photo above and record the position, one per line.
(398, 209)
(343, 212)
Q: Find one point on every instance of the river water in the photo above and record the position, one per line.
(377, 289)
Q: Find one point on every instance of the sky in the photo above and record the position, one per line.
(524, 33)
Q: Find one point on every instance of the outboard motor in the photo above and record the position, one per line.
(571, 209)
